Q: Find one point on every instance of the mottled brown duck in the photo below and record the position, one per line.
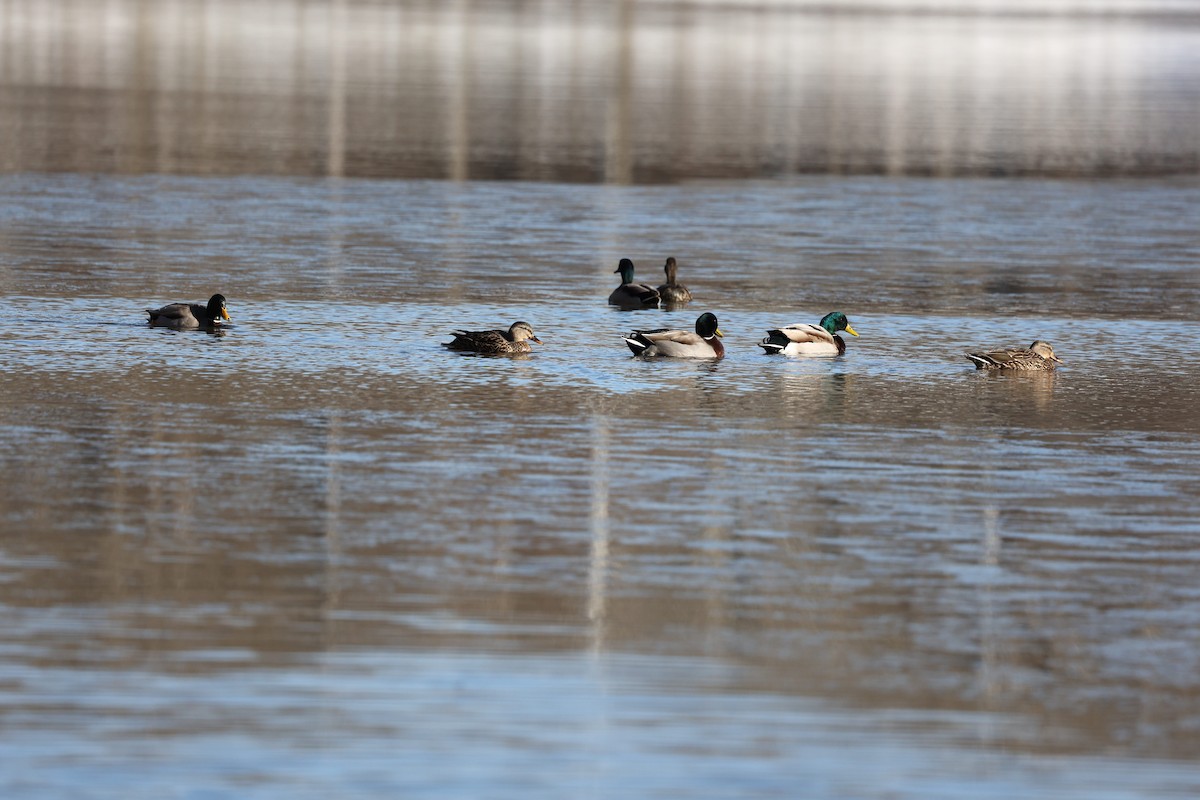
(495, 342)
(1038, 356)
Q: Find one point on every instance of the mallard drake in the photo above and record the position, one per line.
(514, 340)
(704, 343)
(184, 316)
(1039, 356)
(673, 293)
(810, 340)
(630, 294)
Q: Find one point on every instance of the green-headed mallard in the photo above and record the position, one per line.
(810, 340)
(629, 294)
(514, 340)
(672, 293)
(1039, 356)
(185, 316)
(704, 343)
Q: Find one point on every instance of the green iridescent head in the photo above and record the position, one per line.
(836, 321)
(626, 270)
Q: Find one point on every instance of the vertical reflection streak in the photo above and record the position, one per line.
(615, 92)
(338, 31)
(618, 164)
(333, 515)
(989, 650)
(460, 36)
(598, 557)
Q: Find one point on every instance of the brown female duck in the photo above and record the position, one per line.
(496, 342)
(1038, 356)
(672, 292)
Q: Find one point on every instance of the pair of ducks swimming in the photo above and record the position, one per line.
(631, 295)
(704, 342)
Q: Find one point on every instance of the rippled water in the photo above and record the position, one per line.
(320, 555)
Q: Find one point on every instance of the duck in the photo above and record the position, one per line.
(673, 293)
(187, 316)
(704, 343)
(630, 295)
(496, 342)
(1038, 356)
(803, 339)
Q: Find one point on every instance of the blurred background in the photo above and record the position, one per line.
(624, 91)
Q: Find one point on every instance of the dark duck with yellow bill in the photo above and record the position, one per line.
(188, 316)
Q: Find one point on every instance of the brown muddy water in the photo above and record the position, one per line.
(318, 555)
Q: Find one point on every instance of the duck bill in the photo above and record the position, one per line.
(535, 340)
(720, 334)
(1056, 358)
(224, 314)
(851, 331)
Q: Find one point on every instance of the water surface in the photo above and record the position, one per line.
(318, 554)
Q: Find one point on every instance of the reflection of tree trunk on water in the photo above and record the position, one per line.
(618, 163)
(137, 141)
(332, 529)
(598, 557)
(618, 92)
(459, 103)
(338, 30)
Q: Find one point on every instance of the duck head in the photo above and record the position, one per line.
(520, 331)
(670, 268)
(1044, 350)
(706, 326)
(626, 270)
(836, 321)
(216, 307)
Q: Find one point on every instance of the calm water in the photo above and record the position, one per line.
(318, 555)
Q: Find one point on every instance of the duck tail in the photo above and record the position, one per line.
(979, 360)
(636, 343)
(775, 342)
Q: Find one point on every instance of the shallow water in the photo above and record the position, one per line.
(318, 554)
